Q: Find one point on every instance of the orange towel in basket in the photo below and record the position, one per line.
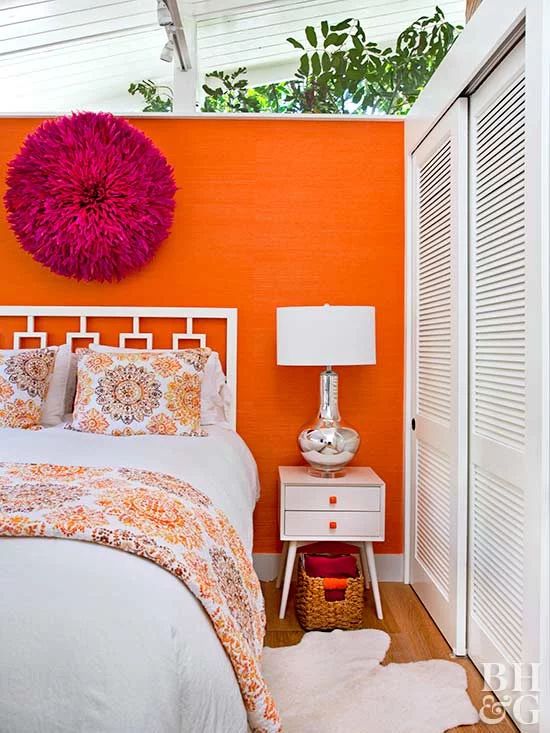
(335, 583)
(335, 571)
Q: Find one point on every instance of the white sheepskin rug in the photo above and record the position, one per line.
(334, 683)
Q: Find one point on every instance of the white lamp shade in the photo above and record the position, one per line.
(327, 335)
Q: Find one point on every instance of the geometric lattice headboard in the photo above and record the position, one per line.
(181, 331)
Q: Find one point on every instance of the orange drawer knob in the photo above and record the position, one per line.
(332, 525)
(333, 500)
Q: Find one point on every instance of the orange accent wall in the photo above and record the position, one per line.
(270, 213)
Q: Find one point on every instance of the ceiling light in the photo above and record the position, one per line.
(167, 53)
(163, 13)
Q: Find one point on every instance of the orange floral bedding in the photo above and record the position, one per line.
(163, 519)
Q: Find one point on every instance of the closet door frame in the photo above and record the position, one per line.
(537, 204)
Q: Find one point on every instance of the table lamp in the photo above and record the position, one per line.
(327, 335)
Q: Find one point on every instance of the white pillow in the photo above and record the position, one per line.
(60, 397)
(25, 400)
(70, 389)
(53, 406)
(215, 394)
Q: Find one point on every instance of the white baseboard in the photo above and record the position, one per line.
(388, 567)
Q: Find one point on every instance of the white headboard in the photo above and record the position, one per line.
(133, 318)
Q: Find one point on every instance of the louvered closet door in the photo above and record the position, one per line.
(505, 435)
(440, 373)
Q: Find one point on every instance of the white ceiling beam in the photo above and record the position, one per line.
(64, 55)
(206, 8)
(277, 26)
(46, 40)
(64, 12)
(72, 24)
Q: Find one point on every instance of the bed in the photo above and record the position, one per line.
(101, 641)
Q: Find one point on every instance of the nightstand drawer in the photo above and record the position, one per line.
(335, 498)
(332, 524)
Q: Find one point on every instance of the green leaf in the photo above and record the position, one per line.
(304, 64)
(422, 41)
(358, 96)
(324, 28)
(311, 36)
(355, 74)
(295, 43)
(316, 64)
(335, 39)
(343, 25)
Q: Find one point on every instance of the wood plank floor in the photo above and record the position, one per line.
(414, 637)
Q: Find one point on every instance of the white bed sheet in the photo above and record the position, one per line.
(94, 640)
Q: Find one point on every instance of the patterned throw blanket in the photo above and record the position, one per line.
(164, 520)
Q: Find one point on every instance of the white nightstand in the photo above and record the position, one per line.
(349, 509)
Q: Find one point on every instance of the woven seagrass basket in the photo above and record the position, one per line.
(315, 613)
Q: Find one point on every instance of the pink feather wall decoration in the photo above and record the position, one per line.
(90, 196)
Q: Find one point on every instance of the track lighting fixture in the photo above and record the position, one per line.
(167, 53)
(163, 13)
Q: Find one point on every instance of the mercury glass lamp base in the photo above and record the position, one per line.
(328, 444)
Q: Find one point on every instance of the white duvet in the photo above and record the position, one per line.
(95, 640)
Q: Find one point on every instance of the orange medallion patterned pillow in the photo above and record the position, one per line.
(139, 393)
(24, 379)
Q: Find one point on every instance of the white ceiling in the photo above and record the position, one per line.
(59, 55)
